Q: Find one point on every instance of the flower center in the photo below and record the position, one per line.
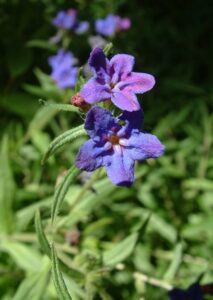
(112, 85)
(114, 139)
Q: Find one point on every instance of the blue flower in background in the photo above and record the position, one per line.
(62, 58)
(81, 27)
(116, 143)
(64, 73)
(112, 24)
(65, 19)
(68, 20)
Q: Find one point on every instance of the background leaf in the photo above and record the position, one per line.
(7, 188)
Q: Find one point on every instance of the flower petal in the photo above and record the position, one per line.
(125, 101)
(142, 146)
(98, 61)
(119, 168)
(88, 157)
(106, 26)
(93, 91)
(124, 24)
(65, 77)
(137, 83)
(98, 121)
(133, 119)
(82, 27)
(121, 65)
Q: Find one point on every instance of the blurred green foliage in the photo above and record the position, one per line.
(109, 242)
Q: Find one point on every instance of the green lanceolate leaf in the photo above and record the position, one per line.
(62, 189)
(45, 246)
(175, 264)
(33, 287)
(60, 107)
(7, 188)
(58, 280)
(42, 117)
(120, 251)
(26, 257)
(41, 235)
(63, 139)
(144, 226)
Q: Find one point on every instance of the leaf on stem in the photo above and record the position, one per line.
(41, 235)
(58, 280)
(63, 139)
(62, 189)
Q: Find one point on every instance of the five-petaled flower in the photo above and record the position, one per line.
(112, 24)
(64, 73)
(116, 143)
(116, 81)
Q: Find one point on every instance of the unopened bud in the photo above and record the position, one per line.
(79, 101)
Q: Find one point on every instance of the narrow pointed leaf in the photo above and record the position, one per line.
(33, 287)
(7, 188)
(59, 106)
(26, 257)
(62, 189)
(58, 280)
(175, 264)
(120, 251)
(41, 235)
(144, 226)
(42, 117)
(63, 139)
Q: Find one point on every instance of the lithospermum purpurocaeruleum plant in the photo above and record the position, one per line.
(113, 120)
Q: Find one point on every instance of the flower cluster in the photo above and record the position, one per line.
(111, 25)
(64, 72)
(116, 142)
(68, 20)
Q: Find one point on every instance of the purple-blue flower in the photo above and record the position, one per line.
(116, 143)
(64, 73)
(65, 19)
(68, 20)
(112, 24)
(116, 81)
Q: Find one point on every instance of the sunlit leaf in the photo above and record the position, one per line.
(121, 251)
(175, 264)
(26, 257)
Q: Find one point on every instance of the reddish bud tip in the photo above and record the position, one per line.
(78, 101)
